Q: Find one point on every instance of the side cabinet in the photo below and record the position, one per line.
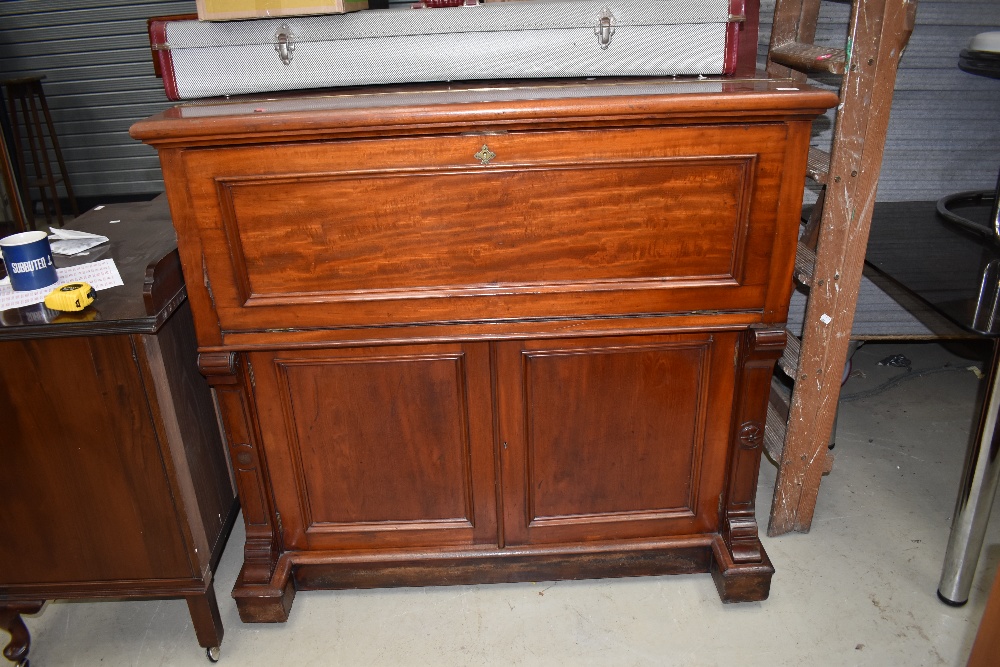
(474, 333)
(114, 481)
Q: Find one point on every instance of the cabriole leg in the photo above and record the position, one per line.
(10, 620)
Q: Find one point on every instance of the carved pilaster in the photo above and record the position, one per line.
(219, 367)
(759, 351)
(229, 376)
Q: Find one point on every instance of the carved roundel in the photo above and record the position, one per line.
(244, 454)
(751, 435)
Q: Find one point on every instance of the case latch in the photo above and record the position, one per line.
(605, 27)
(285, 46)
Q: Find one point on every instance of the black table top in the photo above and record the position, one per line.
(144, 247)
(954, 270)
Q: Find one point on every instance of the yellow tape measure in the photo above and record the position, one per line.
(71, 297)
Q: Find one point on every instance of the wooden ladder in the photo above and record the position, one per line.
(799, 431)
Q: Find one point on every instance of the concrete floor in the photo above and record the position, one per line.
(857, 590)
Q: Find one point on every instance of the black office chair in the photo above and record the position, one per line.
(980, 57)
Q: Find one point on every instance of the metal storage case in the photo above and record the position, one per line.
(550, 38)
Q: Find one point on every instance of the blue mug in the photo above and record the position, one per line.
(28, 259)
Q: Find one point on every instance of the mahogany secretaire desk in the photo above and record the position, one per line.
(480, 333)
(114, 481)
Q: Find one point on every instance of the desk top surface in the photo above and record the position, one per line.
(493, 105)
(143, 244)
(955, 271)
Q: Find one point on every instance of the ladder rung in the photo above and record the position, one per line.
(818, 165)
(805, 262)
(809, 57)
(789, 361)
(775, 427)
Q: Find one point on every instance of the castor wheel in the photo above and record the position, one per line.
(213, 653)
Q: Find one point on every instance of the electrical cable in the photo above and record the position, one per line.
(899, 379)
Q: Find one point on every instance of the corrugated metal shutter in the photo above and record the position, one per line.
(98, 81)
(944, 132)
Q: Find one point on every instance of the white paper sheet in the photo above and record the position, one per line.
(72, 242)
(99, 275)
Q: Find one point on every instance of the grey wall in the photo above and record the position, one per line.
(98, 81)
(944, 129)
(944, 133)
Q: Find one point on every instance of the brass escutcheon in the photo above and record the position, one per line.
(485, 155)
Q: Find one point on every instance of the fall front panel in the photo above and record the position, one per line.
(356, 232)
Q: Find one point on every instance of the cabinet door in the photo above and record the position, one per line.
(84, 489)
(614, 438)
(380, 446)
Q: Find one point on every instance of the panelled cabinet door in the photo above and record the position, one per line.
(614, 438)
(86, 494)
(380, 446)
